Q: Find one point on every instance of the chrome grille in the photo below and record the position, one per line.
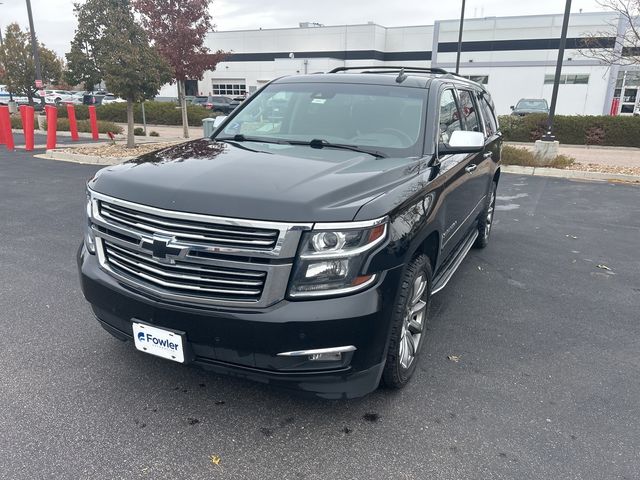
(190, 258)
(189, 231)
(187, 278)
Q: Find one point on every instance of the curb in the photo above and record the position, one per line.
(571, 174)
(83, 159)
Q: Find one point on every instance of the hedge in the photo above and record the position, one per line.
(85, 126)
(16, 122)
(619, 131)
(156, 113)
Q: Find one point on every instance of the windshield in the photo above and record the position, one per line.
(532, 105)
(389, 119)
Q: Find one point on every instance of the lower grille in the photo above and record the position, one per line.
(187, 279)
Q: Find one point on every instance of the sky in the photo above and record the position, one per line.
(55, 23)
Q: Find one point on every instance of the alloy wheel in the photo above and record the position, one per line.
(413, 324)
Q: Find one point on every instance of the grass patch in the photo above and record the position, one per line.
(525, 158)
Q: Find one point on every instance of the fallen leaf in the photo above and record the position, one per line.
(453, 358)
(215, 459)
(571, 236)
(603, 267)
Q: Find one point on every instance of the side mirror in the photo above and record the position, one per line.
(463, 142)
(218, 120)
(512, 107)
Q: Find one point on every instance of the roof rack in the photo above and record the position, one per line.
(391, 69)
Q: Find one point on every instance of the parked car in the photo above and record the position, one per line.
(526, 106)
(92, 99)
(216, 103)
(299, 248)
(111, 98)
(58, 97)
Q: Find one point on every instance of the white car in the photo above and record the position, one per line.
(57, 97)
(110, 98)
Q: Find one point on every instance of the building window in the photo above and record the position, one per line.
(234, 88)
(481, 79)
(568, 79)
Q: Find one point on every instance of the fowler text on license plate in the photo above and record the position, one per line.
(158, 341)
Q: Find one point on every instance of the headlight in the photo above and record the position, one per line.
(89, 239)
(331, 259)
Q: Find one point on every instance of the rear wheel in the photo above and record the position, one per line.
(486, 219)
(408, 323)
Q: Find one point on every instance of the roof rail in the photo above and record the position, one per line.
(391, 69)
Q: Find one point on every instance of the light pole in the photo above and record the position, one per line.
(460, 38)
(549, 137)
(34, 47)
(4, 59)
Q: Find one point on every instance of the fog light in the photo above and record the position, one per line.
(325, 357)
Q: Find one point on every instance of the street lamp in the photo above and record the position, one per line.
(34, 47)
(460, 38)
(549, 137)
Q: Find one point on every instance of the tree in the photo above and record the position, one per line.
(20, 70)
(110, 45)
(611, 48)
(178, 29)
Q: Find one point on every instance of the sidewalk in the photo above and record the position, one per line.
(168, 133)
(606, 156)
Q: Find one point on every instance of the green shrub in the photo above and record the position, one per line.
(16, 122)
(620, 131)
(138, 131)
(153, 133)
(85, 126)
(156, 113)
(524, 157)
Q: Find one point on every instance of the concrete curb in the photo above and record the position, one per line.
(79, 158)
(575, 174)
(569, 145)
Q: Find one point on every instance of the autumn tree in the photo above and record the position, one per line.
(109, 44)
(178, 29)
(19, 67)
(611, 48)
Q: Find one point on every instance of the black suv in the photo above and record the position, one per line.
(299, 245)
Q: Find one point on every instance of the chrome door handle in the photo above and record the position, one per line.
(488, 155)
(471, 168)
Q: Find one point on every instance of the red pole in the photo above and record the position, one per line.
(73, 125)
(26, 112)
(5, 127)
(52, 126)
(94, 122)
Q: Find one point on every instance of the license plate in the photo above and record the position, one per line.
(158, 341)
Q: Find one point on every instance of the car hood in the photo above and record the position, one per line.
(255, 180)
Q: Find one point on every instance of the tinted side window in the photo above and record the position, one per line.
(469, 111)
(490, 123)
(449, 116)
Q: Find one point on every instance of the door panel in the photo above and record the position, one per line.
(459, 198)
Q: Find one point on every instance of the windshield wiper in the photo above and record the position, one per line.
(320, 143)
(242, 138)
(315, 143)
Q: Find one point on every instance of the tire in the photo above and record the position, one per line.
(485, 222)
(407, 333)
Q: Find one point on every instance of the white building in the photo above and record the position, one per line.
(514, 56)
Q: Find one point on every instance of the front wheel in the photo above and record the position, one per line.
(485, 221)
(408, 323)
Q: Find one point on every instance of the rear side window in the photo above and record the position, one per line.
(469, 111)
(449, 116)
(490, 123)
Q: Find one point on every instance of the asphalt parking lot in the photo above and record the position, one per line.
(544, 324)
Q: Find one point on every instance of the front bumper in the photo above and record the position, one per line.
(246, 343)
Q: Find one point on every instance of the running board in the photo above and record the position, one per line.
(447, 272)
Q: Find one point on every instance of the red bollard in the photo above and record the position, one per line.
(73, 124)
(26, 113)
(52, 126)
(5, 127)
(94, 122)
